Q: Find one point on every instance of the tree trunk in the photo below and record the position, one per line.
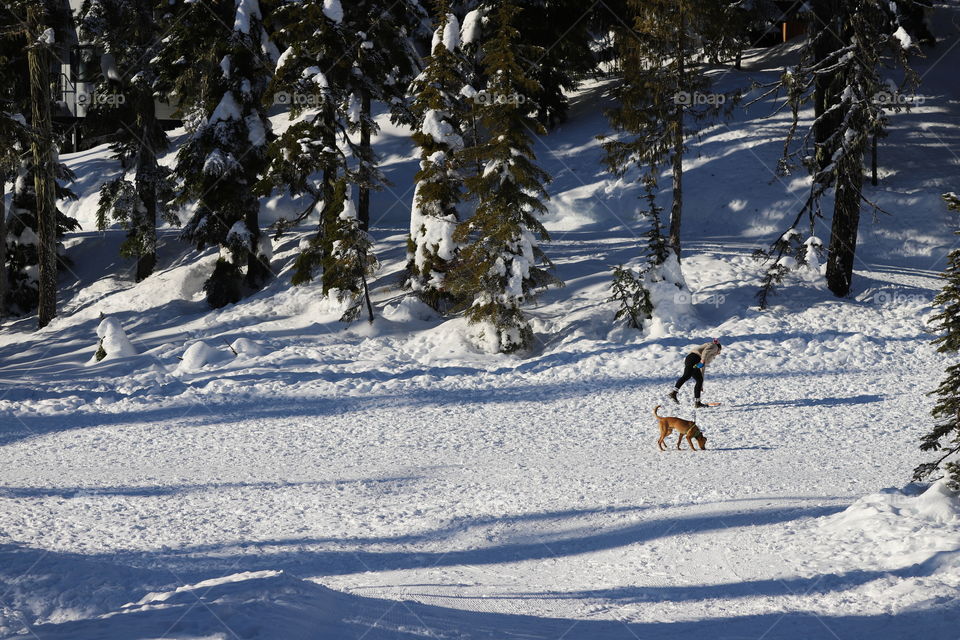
(38, 60)
(846, 223)
(148, 173)
(826, 13)
(873, 160)
(366, 152)
(3, 249)
(328, 187)
(258, 268)
(676, 212)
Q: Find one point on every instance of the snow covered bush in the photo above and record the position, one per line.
(790, 253)
(634, 299)
(198, 355)
(114, 342)
(659, 282)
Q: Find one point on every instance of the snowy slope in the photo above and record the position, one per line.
(393, 481)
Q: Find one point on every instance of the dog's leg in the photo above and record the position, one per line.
(664, 432)
(679, 441)
(690, 440)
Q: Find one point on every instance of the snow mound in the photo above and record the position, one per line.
(409, 309)
(247, 347)
(894, 507)
(200, 354)
(113, 340)
(901, 527)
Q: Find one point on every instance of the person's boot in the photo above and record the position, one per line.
(673, 396)
(699, 405)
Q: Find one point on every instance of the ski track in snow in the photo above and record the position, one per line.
(390, 481)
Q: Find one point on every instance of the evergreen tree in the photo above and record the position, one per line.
(349, 262)
(13, 139)
(631, 290)
(23, 247)
(557, 50)
(839, 73)
(126, 32)
(439, 109)
(42, 20)
(311, 155)
(222, 161)
(665, 90)
(745, 22)
(316, 155)
(474, 31)
(500, 263)
(384, 62)
(947, 409)
(634, 299)
(32, 253)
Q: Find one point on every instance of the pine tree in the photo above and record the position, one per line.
(500, 264)
(743, 21)
(319, 71)
(440, 110)
(947, 409)
(665, 90)
(557, 46)
(13, 139)
(840, 73)
(557, 50)
(474, 31)
(127, 32)
(349, 262)
(309, 77)
(34, 226)
(634, 299)
(631, 290)
(41, 36)
(222, 161)
(23, 250)
(384, 62)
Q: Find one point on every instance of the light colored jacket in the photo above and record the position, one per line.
(707, 352)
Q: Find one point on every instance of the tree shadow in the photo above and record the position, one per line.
(277, 605)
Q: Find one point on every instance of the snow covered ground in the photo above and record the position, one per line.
(394, 481)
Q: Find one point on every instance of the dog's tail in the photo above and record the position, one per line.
(655, 414)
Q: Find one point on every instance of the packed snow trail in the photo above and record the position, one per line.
(530, 493)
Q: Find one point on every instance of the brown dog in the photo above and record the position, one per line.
(686, 428)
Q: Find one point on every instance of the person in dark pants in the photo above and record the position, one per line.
(693, 365)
